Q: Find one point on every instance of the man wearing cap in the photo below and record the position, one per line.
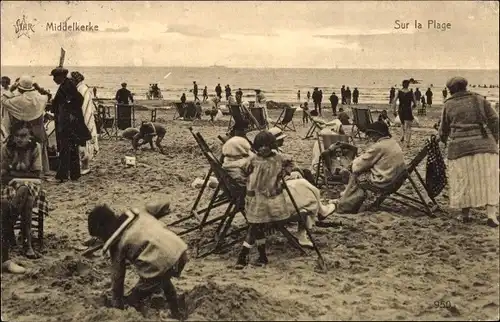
(379, 165)
(71, 130)
(28, 105)
(123, 95)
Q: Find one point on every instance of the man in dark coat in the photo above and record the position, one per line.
(355, 95)
(123, 95)
(342, 95)
(315, 97)
(71, 130)
(392, 94)
(218, 91)
(429, 95)
(334, 99)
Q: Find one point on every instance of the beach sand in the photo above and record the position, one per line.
(383, 265)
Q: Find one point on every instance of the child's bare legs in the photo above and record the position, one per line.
(403, 130)
(303, 238)
(158, 143)
(23, 202)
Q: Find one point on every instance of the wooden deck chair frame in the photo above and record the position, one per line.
(323, 175)
(418, 204)
(285, 120)
(218, 199)
(257, 114)
(362, 117)
(235, 115)
(236, 195)
(153, 115)
(315, 126)
(108, 123)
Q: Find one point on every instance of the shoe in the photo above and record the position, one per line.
(491, 222)
(262, 260)
(465, 219)
(402, 139)
(242, 259)
(305, 242)
(84, 172)
(11, 267)
(330, 210)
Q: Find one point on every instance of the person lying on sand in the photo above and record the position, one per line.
(139, 237)
(146, 133)
(266, 200)
(21, 167)
(379, 165)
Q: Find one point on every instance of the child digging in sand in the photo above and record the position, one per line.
(145, 134)
(157, 253)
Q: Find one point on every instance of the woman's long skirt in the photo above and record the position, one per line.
(473, 181)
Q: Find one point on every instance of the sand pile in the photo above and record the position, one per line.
(231, 302)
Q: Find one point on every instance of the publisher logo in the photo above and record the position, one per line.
(23, 27)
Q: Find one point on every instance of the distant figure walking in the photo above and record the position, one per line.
(195, 91)
(342, 95)
(218, 91)
(355, 95)
(183, 98)
(445, 93)
(123, 95)
(308, 96)
(320, 97)
(315, 97)
(429, 94)
(95, 91)
(348, 96)
(392, 94)
(405, 112)
(334, 100)
(228, 92)
(418, 96)
(205, 94)
(298, 95)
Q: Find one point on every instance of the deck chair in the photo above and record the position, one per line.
(258, 115)
(317, 125)
(236, 195)
(108, 124)
(285, 120)
(37, 219)
(324, 172)
(237, 115)
(392, 192)
(362, 117)
(218, 199)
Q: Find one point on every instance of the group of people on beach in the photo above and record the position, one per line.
(273, 185)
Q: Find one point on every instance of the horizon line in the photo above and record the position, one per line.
(328, 68)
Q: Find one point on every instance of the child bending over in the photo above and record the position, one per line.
(139, 237)
(343, 117)
(146, 133)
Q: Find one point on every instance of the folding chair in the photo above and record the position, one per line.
(324, 174)
(237, 115)
(236, 195)
(285, 120)
(108, 124)
(218, 199)
(393, 191)
(258, 115)
(40, 210)
(317, 124)
(362, 117)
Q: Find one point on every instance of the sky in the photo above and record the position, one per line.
(254, 34)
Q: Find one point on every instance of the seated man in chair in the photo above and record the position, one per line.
(380, 165)
(338, 158)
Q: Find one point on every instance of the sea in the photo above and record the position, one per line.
(276, 84)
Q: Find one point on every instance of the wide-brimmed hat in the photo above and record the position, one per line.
(457, 81)
(26, 83)
(278, 133)
(59, 71)
(378, 127)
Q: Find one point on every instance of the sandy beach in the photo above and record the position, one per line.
(386, 265)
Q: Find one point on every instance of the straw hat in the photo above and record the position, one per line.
(278, 133)
(26, 83)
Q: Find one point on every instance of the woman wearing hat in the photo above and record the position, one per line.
(469, 126)
(28, 106)
(379, 165)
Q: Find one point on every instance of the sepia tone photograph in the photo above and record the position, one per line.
(249, 160)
